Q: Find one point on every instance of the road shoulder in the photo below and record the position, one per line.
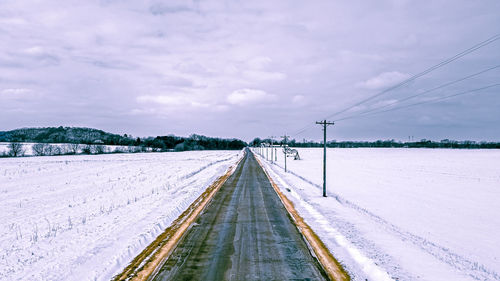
(331, 266)
(151, 259)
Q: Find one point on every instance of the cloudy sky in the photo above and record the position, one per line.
(251, 68)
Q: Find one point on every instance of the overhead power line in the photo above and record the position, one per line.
(424, 102)
(414, 77)
(419, 94)
(303, 129)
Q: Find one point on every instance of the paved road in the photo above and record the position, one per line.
(245, 233)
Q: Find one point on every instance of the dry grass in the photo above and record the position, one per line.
(146, 264)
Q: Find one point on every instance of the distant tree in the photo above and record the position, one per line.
(49, 149)
(99, 149)
(15, 149)
(180, 147)
(72, 148)
(158, 145)
(39, 149)
(87, 149)
(117, 150)
(255, 142)
(57, 150)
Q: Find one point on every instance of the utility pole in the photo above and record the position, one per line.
(272, 148)
(284, 147)
(324, 123)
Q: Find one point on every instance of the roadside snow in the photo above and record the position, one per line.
(85, 217)
(411, 214)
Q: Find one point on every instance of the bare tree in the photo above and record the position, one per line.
(15, 149)
(99, 149)
(49, 149)
(39, 149)
(73, 148)
(57, 150)
(87, 149)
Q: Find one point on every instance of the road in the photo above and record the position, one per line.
(245, 233)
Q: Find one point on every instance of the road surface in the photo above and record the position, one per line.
(245, 233)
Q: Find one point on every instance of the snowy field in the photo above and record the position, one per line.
(85, 217)
(406, 214)
(27, 148)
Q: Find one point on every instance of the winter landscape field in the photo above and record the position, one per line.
(404, 214)
(85, 217)
(66, 148)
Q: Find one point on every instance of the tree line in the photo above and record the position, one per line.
(92, 141)
(423, 143)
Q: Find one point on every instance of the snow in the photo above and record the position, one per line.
(27, 148)
(86, 217)
(407, 214)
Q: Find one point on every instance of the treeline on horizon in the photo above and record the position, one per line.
(198, 142)
(94, 136)
(423, 143)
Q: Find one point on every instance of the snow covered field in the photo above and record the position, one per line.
(85, 217)
(407, 214)
(27, 148)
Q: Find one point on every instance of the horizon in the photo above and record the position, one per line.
(259, 69)
(411, 139)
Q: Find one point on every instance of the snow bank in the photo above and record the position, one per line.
(86, 217)
(406, 214)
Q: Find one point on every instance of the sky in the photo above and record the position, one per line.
(250, 69)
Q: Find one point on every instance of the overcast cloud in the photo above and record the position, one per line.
(248, 68)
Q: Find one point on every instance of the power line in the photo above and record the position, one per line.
(303, 129)
(420, 94)
(427, 101)
(414, 77)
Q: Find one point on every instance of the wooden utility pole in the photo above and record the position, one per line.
(285, 137)
(324, 123)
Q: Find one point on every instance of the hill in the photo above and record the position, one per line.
(95, 136)
(64, 135)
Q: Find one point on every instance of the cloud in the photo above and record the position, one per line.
(15, 93)
(247, 96)
(263, 75)
(178, 82)
(180, 102)
(185, 59)
(159, 9)
(259, 62)
(298, 99)
(164, 100)
(383, 80)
